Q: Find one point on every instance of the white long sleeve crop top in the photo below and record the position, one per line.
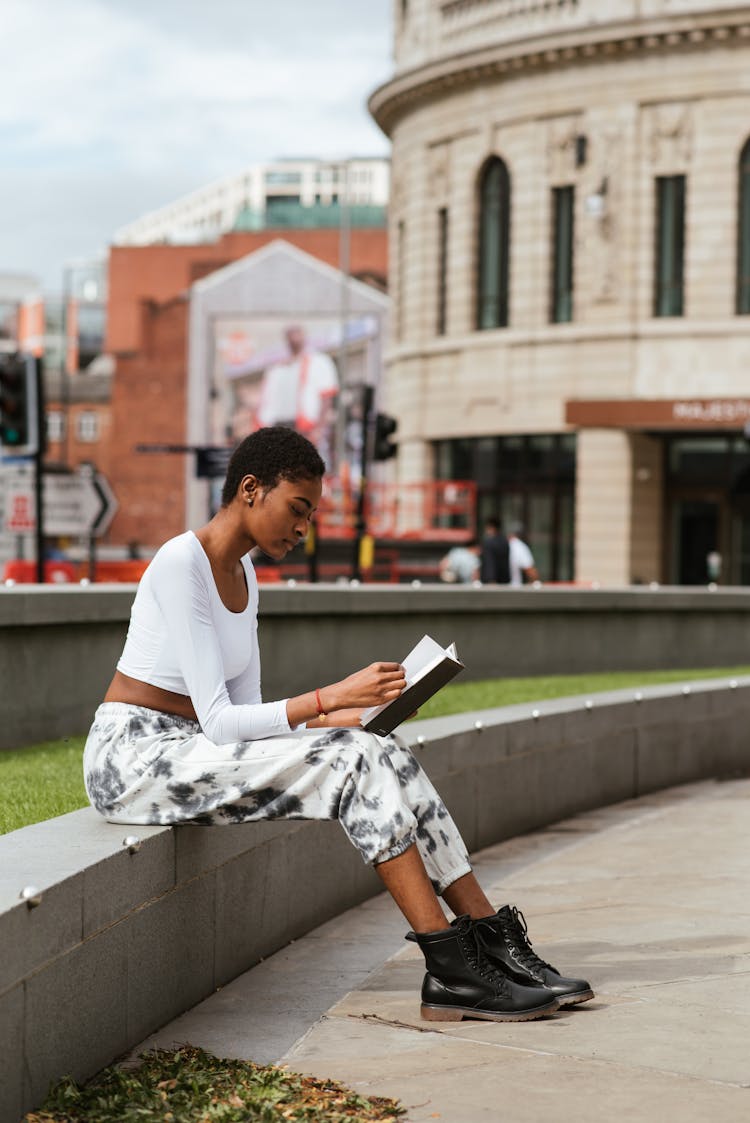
(183, 638)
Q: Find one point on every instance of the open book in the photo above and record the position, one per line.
(428, 667)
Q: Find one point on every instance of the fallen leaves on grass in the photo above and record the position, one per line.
(188, 1085)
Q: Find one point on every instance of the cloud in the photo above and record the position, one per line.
(103, 83)
(180, 92)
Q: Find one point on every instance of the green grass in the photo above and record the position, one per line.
(44, 781)
(191, 1086)
(40, 782)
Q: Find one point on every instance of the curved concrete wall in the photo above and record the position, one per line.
(121, 941)
(59, 646)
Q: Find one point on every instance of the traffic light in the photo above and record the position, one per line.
(17, 397)
(385, 427)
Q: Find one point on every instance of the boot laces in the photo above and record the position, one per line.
(478, 961)
(516, 931)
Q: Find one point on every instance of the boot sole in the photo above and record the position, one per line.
(575, 999)
(458, 1013)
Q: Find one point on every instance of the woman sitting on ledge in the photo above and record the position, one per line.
(183, 736)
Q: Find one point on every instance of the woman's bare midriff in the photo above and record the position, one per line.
(123, 688)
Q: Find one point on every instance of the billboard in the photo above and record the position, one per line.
(305, 372)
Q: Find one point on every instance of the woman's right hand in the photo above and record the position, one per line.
(372, 686)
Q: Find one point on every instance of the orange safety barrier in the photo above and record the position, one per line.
(129, 571)
(436, 510)
(55, 572)
(67, 572)
(267, 575)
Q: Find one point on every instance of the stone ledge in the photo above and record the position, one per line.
(122, 942)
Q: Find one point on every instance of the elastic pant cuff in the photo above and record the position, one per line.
(394, 851)
(447, 879)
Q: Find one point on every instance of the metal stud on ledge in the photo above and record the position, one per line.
(733, 684)
(478, 725)
(31, 895)
(535, 714)
(420, 741)
(589, 704)
(686, 690)
(133, 843)
(638, 696)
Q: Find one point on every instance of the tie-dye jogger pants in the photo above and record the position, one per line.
(143, 766)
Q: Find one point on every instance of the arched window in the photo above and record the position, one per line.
(494, 245)
(743, 233)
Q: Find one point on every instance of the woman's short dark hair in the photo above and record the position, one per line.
(272, 454)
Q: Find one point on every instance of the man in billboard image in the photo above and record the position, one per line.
(301, 393)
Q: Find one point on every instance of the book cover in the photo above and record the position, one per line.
(428, 668)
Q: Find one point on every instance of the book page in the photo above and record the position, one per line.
(422, 658)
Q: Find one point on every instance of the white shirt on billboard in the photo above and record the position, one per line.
(294, 392)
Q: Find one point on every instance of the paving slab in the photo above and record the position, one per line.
(649, 899)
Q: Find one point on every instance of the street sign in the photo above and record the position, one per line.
(20, 516)
(75, 505)
(212, 461)
(78, 505)
(16, 491)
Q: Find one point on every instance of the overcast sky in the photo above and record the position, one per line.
(111, 108)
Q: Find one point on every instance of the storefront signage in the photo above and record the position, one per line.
(682, 413)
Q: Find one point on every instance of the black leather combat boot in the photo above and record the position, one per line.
(504, 939)
(462, 983)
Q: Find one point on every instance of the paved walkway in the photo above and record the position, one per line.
(649, 899)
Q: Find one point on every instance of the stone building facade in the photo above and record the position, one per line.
(570, 271)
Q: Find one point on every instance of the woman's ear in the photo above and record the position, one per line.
(248, 489)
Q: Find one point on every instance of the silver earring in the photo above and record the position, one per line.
(249, 502)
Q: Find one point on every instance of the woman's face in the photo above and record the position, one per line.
(280, 518)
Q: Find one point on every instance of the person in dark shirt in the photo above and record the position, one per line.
(494, 566)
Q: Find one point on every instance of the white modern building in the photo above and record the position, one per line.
(284, 193)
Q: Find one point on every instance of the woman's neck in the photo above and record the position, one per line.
(224, 541)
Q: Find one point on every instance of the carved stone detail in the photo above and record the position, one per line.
(438, 170)
(669, 128)
(561, 149)
(397, 189)
(601, 208)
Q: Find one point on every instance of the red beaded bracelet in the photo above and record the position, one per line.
(319, 704)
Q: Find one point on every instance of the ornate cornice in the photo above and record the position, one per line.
(572, 47)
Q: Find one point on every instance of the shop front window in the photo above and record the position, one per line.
(707, 509)
(526, 481)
